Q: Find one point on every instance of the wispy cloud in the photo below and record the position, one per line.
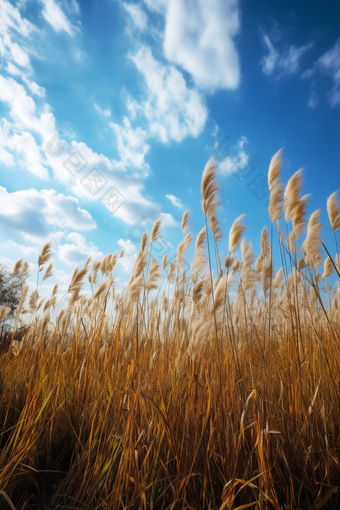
(106, 112)
(175, 201)
(284, 62)
(56, 18)
(328, 64)
(137, 16)
(235, 162)
(13, 26)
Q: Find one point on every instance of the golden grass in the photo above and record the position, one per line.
(210, 390)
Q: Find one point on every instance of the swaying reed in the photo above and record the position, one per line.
(210, 386)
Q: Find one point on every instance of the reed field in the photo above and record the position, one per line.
(210, 386)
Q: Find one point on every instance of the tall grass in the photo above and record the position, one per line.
(214, 388)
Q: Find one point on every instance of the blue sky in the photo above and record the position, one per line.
(142, 94)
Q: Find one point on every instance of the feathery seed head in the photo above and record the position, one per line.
(48, 272)
(209, 189)
(155, 233)
(274, 171)
(236, 232)
(17, 266)
(291, 194)
(185, 222)
(327, 268)
(45, 254)
(333, 209)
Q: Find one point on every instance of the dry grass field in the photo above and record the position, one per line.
(210, 388)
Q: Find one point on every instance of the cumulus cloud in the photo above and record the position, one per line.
(328, 64)
(30, 124)
(173, 110)
(199, 36)
(131, 144)
(130, 253)
(285, 62)
(128, 247)
(24, 146)
(24, 111)
(38, 215)
(78, 250)
(129, 183)
(20, 250)
(17, 140)
(175, 201)
(168, 220)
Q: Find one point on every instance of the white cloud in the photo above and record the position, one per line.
(158, 6)
(269, 62)
(107, 112)
(128, 247)
(55, 17)
(286, 62)
(131, 144)
(16, 136)
(13, 25)
(37, 214)
(173, 110)
(129, 183)
(175, 201)
(313, 100)
(78, 250)
(20, 249)
(238, 163)
(23, 109)
(25, 148)
(73, 6)
(32, 125)
(130, 253)
(34, 87)
(215, 130)
(137, 16)
(199, 37)
(168, 220)
(329, 64)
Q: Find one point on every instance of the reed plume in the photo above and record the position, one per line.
(311, 245)
(276, 188)
(265, 250)
(48, 272)
(327, 268)
(333, 209)
(185, 222)
(154, 275)
(45, 254)
(235, 233)
(209, 189)
(175, 398)
(155, 232)
(291, 194)
(299, 217)
(17, 266)
(77, 280)
(4, 311)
